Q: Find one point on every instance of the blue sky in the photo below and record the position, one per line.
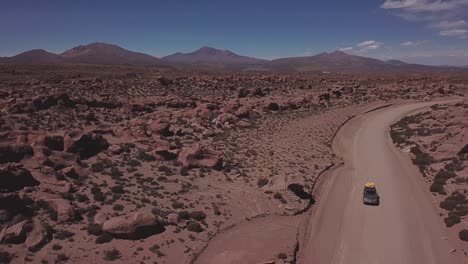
(434, 32)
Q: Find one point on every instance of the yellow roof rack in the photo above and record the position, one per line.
(370, 185)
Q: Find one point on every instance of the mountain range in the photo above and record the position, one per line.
(207, 58)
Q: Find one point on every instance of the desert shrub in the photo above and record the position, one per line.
(198, 215)
(463, 235)
(167, 171)
(421, 159)
(184, 215)
(56, 247)
(94, 229)
(81, 197)
(5, 257)
(177, 205)
(98, 166)
(142, 155)
(462, 153)
(112, 254)
(216, 211)
(448, 204)
(454, 165)
(118, 189)
(442, 176)
(104, 238)
(118, 207)
(397, 138)
(61, 258)
(184, 171)
(278, 196)
(159, 212)
(156, 249)
(134, 163)
(194, 227)
(97, 194)
(63, 234)
(115, 173)
(454, 200)
(436, 187)
(262, 182)
(452, 220)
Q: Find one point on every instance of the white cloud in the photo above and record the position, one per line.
(346, 49)
(368, 45)
(308, 52)
(389, 4)
(444, 15)
(413, 43)
(424, 5)
(449, 24)
(460, 33)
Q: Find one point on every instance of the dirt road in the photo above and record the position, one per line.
(405, 228)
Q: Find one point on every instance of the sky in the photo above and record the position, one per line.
(420, 31)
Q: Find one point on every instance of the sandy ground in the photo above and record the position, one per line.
(405, 228)
(278, 232)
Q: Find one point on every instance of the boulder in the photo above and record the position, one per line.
(200, 156)
(85, 144)
(38, 237)
(75, 172)
(134, 225)
(227, 117)
(14, 177)
(15, 152)
(15, 234)
(172, 219)
(100, 218)
(243, 112)
(64, 209)
(159, 128)
(243, 123)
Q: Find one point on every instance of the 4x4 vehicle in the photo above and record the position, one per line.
(370, 195)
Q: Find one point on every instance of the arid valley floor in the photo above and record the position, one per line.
(128, 164)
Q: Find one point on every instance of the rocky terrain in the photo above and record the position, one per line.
(437, 141)
(141, 165)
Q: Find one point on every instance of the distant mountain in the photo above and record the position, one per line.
(212, 59)
(396, 62)
(208, 56)
(437, 60)
(102, 53)
(335, 61)
(339, 61)
(94, 53)
(36, 56)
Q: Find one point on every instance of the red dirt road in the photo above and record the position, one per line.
(405, 228)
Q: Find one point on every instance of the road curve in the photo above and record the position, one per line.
(405, 228)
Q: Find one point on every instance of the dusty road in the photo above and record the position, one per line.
(405, 228)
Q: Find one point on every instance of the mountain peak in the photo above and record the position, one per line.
(211, 56)
(103, 53)
(209, 51)
(338, 53)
